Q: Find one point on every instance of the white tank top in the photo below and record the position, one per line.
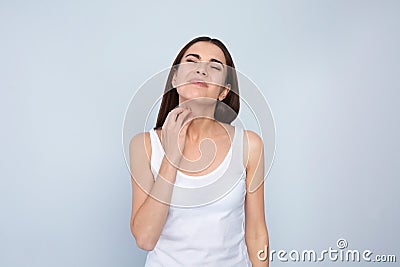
(210, 234)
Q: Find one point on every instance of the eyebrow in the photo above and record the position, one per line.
(211, 60)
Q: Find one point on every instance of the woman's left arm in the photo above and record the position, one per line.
(256, 229)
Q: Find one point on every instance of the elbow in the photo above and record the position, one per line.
(143, 241)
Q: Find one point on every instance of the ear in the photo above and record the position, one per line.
(224, 92)
(173, 81)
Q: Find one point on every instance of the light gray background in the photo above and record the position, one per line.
(68, 69)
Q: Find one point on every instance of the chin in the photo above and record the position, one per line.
(187, 93)
(201, 100)
(190, 94)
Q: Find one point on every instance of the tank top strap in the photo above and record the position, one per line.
(155, 141)
(157, 152)
(237, 149)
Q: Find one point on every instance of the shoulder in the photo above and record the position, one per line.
(140, 139)
(253, 137)
(253, 146)
(252, 140)
(140, 142)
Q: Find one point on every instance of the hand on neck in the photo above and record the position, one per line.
(203, 123)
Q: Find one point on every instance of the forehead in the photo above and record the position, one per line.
(206, 51)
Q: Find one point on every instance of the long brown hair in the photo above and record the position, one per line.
(226, 112)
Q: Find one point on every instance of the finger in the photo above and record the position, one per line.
(176, 112)
(186, 122)
(181, 117)
(177, 109)
(180, 112)
(172, 114)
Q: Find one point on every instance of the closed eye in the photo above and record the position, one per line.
(215, 66)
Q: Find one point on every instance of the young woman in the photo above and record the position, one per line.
(176, 215)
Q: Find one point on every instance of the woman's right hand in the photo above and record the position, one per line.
(173, 133)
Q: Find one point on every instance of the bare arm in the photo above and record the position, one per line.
(150, 199)
(256, 230)
(149, 211)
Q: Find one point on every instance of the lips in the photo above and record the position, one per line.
(198, 82)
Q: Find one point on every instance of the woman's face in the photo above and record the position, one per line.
(201, 73)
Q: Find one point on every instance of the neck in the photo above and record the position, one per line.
(204, 123)
(201, 128)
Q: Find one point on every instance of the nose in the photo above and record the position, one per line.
(202, 68)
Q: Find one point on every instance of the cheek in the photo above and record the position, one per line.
(218, 79)
(214, 90)
(182, 73)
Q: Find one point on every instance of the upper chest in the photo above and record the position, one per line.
(206, 155)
